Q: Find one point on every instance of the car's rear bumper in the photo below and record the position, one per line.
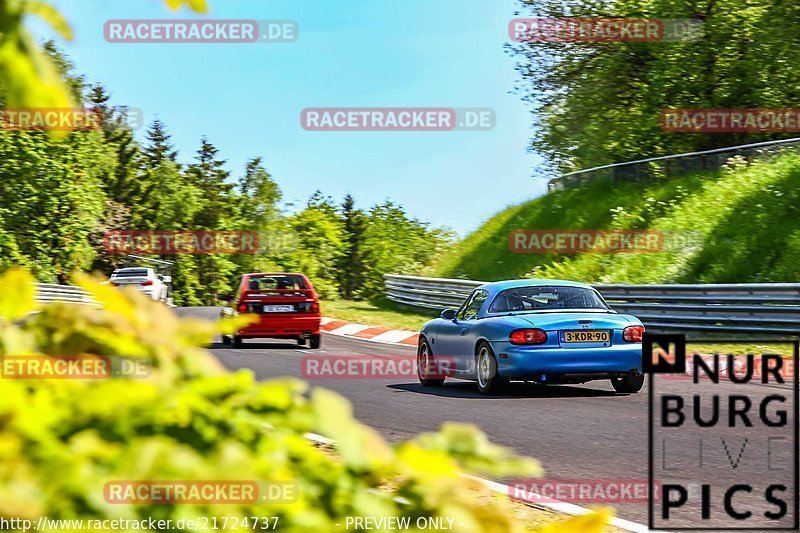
(280, 327)
(528, 362)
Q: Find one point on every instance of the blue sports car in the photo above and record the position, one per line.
(543, 331)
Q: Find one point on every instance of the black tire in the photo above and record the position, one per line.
(486, 376)
(316, 341)
(237, 341)
(226, 339)
(301, 341)
(628, 384)
(427, 364)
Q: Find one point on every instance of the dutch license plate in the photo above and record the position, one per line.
(588, 335)
(277, 309)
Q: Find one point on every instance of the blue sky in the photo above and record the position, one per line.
(247, 98)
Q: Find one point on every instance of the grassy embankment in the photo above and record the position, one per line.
(742, 225)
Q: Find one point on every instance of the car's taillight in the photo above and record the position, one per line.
(148, 282)
(528, 336)
(632, 333)
(242, 308)
(308, 307)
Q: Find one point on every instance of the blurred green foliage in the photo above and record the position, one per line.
(61, 440)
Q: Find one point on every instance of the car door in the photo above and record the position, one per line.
(455, 338)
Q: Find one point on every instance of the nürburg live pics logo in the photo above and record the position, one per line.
(723, 434)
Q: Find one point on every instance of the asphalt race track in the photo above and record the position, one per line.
(584, 432)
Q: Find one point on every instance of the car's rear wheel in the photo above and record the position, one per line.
(489, 381)
(226, 339)
(426, 366)
(237, 341)
(628, 384)
(316, 340)
(301, 341)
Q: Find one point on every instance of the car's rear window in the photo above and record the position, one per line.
(277, 281)
(131, 273)
(544, 297)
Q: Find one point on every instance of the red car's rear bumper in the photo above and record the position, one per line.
(282, 327)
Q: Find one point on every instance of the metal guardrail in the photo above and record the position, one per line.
(643, 170)
(744, 308)
(50, 292)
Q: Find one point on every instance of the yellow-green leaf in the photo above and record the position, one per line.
(51, 15)
(588, 523)
(17, 294)
(200, 6)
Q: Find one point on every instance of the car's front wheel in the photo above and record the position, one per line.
(489, 381)
(237, 341)
(426, 366)
(628, 384)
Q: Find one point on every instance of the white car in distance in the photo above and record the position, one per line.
(144, 279)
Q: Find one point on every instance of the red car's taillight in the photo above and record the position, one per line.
(633, 333)
(242, 308)
(528, 336)
(308, 307)
(148, 282)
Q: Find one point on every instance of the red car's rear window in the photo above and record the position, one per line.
(276, 281)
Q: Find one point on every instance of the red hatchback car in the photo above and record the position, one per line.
(286, 304)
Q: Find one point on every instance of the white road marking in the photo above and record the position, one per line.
(395, 335)
(349, 329)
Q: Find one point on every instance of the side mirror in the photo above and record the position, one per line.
(448, 314)
(225, 297)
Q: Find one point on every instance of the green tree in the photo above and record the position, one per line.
(124, 184)
(319, 233)
(397, 244)
(599, 103)
(51, 196)
(217, 212)
(208, 175)
(350, 267)
(159, 147)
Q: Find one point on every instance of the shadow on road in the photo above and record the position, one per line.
(466, 389)
(218, 345)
